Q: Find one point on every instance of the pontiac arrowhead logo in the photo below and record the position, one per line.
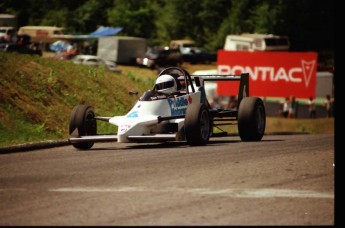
(308, 68)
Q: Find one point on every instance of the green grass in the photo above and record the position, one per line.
(38, 94)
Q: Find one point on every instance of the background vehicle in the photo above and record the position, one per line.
(184, 46)
(7, 34)
(199, 55)
(256, 42)
(182, 115)
(191, 53)
(159, 57)
(43, 34)
(21, 48)
(95, 61)
(90, 60)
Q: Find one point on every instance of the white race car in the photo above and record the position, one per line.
(175, 109)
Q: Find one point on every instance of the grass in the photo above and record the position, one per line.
(39, 93)
(37, 96)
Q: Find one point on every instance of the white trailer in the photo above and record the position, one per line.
(121, 49)
(8, 20)
(256, 42)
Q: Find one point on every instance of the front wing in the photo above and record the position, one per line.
(134, 138)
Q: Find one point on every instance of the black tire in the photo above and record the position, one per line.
(251, 119)
(197, 125)
(82, 119)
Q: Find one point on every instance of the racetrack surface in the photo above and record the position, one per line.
(281, 180)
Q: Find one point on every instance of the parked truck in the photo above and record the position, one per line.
(7, 33)
(191, 53)
(121, 49)
(8, 27)
(185, 46)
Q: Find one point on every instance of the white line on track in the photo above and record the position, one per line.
(235, 193)
(12, 189)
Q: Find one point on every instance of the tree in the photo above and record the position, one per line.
(212, 16)
(234, 22)
(90, 15)
(308, 23)
(135, 17)
(264, 16)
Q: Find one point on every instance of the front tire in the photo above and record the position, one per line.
(82, 123)
(197, 125)
(251, 119)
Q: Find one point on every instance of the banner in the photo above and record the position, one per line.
(271, 74)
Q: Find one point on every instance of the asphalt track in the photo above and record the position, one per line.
(281, 180)
(64, 142)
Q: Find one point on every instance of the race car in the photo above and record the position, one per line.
(175, 109)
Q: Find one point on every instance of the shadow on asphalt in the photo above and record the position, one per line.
(173, 145)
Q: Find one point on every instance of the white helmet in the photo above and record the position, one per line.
(166, 84)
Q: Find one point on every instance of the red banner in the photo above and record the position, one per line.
(271, 74)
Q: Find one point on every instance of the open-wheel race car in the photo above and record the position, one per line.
(175, 109)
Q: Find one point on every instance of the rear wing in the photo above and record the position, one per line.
(243, 78)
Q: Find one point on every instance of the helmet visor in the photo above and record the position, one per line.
(164, 85)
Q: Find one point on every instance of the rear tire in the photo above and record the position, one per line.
(251, 119)
(197, 125)
(82, 119)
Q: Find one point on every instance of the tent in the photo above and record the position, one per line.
(106, 31)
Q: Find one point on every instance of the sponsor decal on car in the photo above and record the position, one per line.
(158, 97)
(178, 106)
(133, 114)
(124, 127)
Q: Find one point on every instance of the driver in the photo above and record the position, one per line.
(166, 84)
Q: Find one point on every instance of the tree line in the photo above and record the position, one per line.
(308, 23)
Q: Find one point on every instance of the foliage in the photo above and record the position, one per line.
(308, 23)
(135, 17)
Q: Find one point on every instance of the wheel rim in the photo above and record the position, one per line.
(90, 124)
(204, 125)
(260, 119)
